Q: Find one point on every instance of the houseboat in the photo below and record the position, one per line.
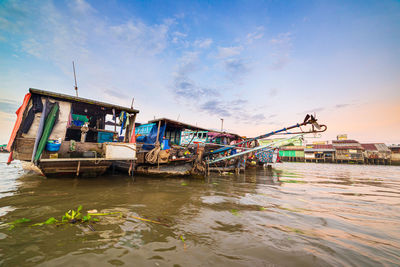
(171, 147)
(61, 134)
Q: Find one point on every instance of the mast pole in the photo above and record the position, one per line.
(76, 85)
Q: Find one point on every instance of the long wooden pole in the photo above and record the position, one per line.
(76, 85)
(158, 132)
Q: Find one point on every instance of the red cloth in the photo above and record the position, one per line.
(133, 136)
(20, 114)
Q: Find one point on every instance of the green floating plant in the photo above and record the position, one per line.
(51, 220)
(18, 221)
(235, 212)
(71, 216)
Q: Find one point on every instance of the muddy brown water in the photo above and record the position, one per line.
(295, 215)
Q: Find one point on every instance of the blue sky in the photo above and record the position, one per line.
(260, 65)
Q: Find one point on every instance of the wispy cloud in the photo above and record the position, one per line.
(203, 43)
(81, 6)
(281, 46)
(8, 106)
(314, 110)
(256, 35)
(342, 105)
(234, 109)
(216, 107)
(228, 52)
(183, 86)
(115, 93)
(236, 67)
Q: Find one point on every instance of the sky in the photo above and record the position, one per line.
(259, 65)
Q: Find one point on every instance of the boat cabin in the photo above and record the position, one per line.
(171, 132)
(68, 134)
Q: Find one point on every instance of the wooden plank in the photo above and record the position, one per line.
(82, 159)
(23, 148)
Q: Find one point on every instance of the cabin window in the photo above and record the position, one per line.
(94, 116)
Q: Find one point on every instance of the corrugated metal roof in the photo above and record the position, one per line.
(180, 124)
(319, 150)
(370, 147)
(348, 147)
(70, 98)
(382, 147)
(323, 146)
(345, 142)
(293, 148)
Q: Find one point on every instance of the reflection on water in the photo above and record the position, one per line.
(297, 214)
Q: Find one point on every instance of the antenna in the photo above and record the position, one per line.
(133, 100)
(76, 85)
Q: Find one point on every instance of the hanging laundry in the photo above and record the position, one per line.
(37, 106)
(122, 119)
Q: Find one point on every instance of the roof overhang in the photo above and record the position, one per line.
(179, 124)
(76, 99)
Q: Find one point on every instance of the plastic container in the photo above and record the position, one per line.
(103, 137)
(82, 118)
(52, 146)
(165, 144)
(78, 123)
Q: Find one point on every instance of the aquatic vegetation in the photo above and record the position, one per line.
(183, 240)
(16, 222)
(51, 220)
(70, 217)
(235, 212)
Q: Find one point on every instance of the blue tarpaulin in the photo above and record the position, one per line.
(150, 139)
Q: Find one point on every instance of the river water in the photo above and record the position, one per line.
(295, 215)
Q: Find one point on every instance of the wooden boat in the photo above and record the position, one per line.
(173, 148)
(61, 134)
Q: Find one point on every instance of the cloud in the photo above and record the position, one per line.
(228, 52)
(115, 93)
(203, 43)
(62, 35)
(235, 109)
(236, 67)
(256, 35)
(81, 6)
(281, 46)
(314, 110)
(179, 37)
(215, 107)
(183, 86)
(186, 88)
(188, 63)
(342, 105)
(8, 106)
(282, 39)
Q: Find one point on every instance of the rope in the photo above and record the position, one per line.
(152, 156)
